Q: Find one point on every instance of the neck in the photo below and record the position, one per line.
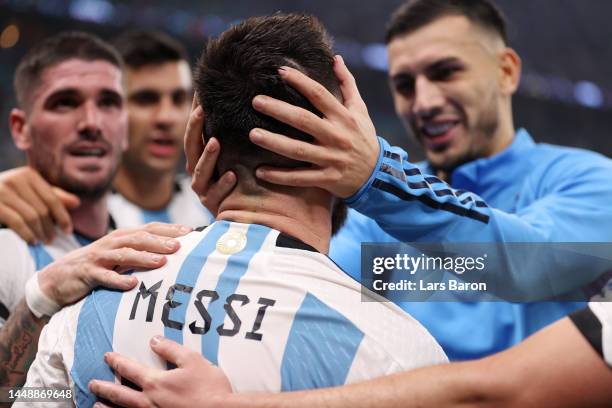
(303, 214)
(91, 217)
(505, 132)
(147, 190)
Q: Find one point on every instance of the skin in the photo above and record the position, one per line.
(458, 76)
(31, 207)
(78, 105)
(158, 112)
(556, 367)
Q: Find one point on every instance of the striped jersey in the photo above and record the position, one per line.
(184, 208)
(595, 324)
(21, 260)
(272, 312)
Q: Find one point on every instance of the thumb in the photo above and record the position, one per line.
(69, 200)
(170, 351)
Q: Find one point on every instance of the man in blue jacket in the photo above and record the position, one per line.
(452, 77)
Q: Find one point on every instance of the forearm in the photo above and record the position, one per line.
(415, 207)
(456, 385)
(18, 345)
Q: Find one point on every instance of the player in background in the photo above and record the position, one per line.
(159, 89)
(254, 292)
(71, 125)
(146, 187)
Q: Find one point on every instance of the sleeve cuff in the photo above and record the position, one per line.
(361, 192)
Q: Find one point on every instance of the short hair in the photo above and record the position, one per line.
(55, 50)
(141, 48)
(415, 14)
(243, 62)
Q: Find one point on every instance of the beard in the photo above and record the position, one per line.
(53, 172)
(86, 191)
(476, 144)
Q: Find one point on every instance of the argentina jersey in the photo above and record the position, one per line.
(21, 260)
(272, 312)
(184, 208)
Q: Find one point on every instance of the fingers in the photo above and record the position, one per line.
(128, 368)
(171, 351)
(205, 168)
(211, 191)
(141, 241)
(293, 177)
(16, 223)
(53, 205)
(131, 258)
(118, 394)
(348, 86)
(294, 116)
(33, 200)
(194, 145)
(218, 191)
(316, 93)
(98, 276)
(289, 147)
(167, 230)
(69, 200)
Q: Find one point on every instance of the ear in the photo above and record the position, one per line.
(510, 71)
(20, 129)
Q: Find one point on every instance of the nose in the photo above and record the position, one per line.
(90, 119)
(167, 113)
(428, 98)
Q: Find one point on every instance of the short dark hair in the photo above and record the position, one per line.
(415, 14)
(141, 48)
(55, 50)
(243, 62)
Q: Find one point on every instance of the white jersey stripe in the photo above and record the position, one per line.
(179, 294)
(237, 266)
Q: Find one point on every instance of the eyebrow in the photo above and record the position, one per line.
(442, 63)
(429, 68)
(60, 93)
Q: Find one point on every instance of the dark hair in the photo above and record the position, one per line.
(415, 14)
(242, 63)
(141, 48)
(55, 50)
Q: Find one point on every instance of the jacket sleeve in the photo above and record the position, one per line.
(574, 206)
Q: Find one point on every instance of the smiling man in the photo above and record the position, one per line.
(71, 124)
(452, 80)
(452, 76)
(146, 188)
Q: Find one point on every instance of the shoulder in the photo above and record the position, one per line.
(570, 158)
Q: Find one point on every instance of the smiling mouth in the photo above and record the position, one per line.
(437, 136)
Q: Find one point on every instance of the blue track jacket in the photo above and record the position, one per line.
(527, 193)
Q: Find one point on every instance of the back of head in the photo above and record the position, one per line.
(55, 50)
(415, 14)
(243, 62)
(141, 48)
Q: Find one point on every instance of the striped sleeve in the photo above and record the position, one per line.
(595, 324)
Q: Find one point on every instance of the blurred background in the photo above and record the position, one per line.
(565, 95)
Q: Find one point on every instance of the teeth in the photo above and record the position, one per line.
(437, 129)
